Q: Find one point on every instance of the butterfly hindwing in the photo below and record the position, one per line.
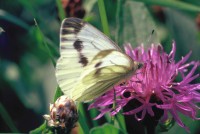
(108, 68)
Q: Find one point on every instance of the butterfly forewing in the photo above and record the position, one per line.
(73, 29)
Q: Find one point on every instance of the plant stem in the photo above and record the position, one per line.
(119, 22)
(103, 16)
(150, 129)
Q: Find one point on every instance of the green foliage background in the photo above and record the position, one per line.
(29, 47)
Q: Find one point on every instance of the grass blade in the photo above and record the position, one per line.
(83, 119)
(61, 12)
(45, 44)
(103, 16)
(119, 21)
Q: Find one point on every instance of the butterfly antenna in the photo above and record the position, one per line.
(151, 37)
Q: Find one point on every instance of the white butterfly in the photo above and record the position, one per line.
(90, 63)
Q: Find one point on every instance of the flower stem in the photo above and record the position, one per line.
(150, 129)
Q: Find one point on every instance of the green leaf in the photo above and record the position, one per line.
(193, 125)
(121, 121)
(184, 33)
(106, 129)
(173, 4)
(138, 24)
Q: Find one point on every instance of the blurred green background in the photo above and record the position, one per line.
(27, 79)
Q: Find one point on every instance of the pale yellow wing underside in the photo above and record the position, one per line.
(107, 69)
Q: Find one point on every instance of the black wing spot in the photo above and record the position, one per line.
(63, 39)
(83, 60)
(63, 47)
(98, 64)
(122, 84)
(65, 31)
(76, 23)
(78, 45)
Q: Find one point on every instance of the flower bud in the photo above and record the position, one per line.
(63, 113)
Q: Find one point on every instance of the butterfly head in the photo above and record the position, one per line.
(140, 65)
(136, 65)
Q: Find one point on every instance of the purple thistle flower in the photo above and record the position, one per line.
(154, 85)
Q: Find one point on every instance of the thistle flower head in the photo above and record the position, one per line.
(63, 113)
(155, 86)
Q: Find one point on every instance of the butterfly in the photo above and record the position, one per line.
(90, 63)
